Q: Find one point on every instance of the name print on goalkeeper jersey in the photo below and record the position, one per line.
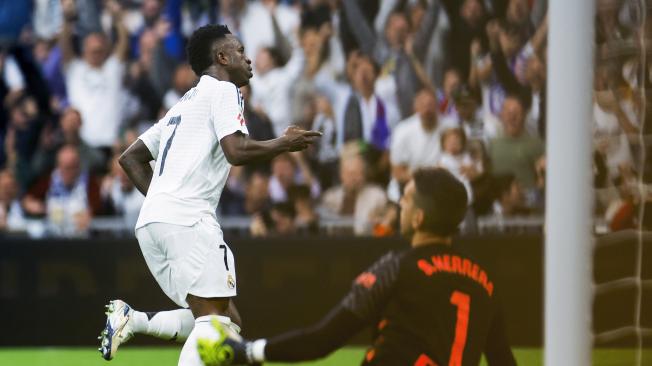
(434, 306)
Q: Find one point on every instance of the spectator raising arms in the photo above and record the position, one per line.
(95, 80)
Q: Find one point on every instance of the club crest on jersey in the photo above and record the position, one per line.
(230, 281)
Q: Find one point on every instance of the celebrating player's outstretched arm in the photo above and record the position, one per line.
(239, 149)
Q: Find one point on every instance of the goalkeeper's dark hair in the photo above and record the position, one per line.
(200, 46)
(443, 199)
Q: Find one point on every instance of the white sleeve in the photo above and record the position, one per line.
(226, 111)
(152, 138)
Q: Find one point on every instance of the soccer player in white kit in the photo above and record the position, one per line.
(194, 146)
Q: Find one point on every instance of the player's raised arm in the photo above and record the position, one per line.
(135, 162)
(239, 149)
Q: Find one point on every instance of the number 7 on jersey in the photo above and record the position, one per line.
(174, 121)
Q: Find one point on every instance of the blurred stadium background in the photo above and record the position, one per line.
(392, 84)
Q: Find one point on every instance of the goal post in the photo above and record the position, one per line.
(569, 182)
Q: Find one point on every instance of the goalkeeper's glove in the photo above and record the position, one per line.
(226, 350)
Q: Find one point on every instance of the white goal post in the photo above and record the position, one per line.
(569, 182)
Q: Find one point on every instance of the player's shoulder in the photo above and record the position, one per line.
(390, 261)
(209, 83)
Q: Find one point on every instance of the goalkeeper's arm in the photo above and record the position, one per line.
(317, 341)
(366, 300)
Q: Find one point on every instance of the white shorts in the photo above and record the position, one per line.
(189, 259)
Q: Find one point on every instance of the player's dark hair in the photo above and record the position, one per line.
(200, 46)
(443, 199)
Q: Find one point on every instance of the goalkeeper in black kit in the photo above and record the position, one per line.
(431, 304)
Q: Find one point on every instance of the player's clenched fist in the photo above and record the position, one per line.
(299, 139)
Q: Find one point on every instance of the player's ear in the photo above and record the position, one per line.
(221, 57)
(417, 219)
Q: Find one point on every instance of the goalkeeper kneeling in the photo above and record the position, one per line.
(432, 304)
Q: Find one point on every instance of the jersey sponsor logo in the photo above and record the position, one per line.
(456, 265)
(366, 280)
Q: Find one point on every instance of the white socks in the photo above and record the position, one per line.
(170, 325)
(203, 329)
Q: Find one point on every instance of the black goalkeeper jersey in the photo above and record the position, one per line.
(433, 305)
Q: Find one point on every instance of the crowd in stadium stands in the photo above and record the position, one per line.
(394, 85)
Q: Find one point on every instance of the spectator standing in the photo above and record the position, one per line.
(510, 198)
(258, 124)
(25, 125)
(94, 81)
(467, 23)
(364, 115)
(515, 152)
(164, 18)
(68, 133)
(287, 170)
(614, 118)
(257, 28)
(150, 75)
(48, 56)
(354, 197)
(445, 97)
(257, 197)
(468, 118)
(456, 159)
(326, 153)
(416, 142)
(389, 51)
(306, 219)
(275, 77)
(182, 81)
(69, 197)
(278, 221)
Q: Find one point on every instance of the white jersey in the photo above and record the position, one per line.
(191, 168)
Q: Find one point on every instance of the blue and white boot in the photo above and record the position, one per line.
(117, 330)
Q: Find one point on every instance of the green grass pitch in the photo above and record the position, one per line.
(167, 356)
